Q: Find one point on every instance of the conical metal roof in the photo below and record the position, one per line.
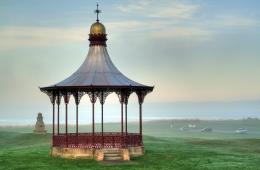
(98, 70)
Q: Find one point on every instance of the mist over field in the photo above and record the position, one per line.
(166, 147)
(151, 111)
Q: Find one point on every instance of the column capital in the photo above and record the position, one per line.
(127, 95)
(141, 95)
(66, 96)
(102, 96)
(77, 96)
(123, 96)
(93, 96)
(58, 98)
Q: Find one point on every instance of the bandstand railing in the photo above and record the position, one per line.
(96, 140)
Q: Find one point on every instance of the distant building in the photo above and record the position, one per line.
(207, 129)
(39, 126)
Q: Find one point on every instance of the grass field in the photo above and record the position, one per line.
(170, 149)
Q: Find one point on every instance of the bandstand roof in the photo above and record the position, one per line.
(98, 70)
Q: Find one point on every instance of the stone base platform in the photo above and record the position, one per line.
(123, 154)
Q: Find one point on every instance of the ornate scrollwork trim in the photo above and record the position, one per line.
(58, 98)
(51, 95)
(77, 96)
(141, 95)
(93, 96)
(127, 95)
(124, 96)
(102, 96)
(66, 96)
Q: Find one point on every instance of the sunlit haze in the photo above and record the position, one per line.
(202, 56)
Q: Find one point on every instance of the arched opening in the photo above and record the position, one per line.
(85, 115)
(133, 114)
(112, 119)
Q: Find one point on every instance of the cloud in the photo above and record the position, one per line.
(162, 29)
(238, 21)
(184, 32)
(166, 19)
(22, 37)
(14, 37)
(156, 9)
(124, 25)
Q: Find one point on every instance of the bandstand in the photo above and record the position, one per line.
(97, 77)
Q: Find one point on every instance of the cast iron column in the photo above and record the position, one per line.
(52, 99)
(93, 120)
(93, 100)
(77, 119)
(102, 97)
(77, 96)
(122, 97)
(140, 119)
(102, 119)
(126, 118)
(122, 119)
(53, 118)
(77, 122)
(66, 123)
(66, 101)
(58, 126)
(141, 95)
(126, 96)
(58, 116)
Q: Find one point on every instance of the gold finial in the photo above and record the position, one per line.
(97, 27)
(97, 11)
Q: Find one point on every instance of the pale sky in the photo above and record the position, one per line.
(191, 51)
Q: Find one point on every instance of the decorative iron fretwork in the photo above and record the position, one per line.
(127, 94)
(141, 95)
(77, 96)
(93, 96)
(66, 96)
(97, 39)
(123, 96)
(50, 94)
(102, 96)
(58, 98)
(85, 140)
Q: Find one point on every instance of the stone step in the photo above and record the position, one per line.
(112, 154)
(114, 158)
(112, 151)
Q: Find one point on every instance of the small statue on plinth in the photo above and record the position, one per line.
(39, 126)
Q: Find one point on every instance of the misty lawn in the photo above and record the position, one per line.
(183, 150)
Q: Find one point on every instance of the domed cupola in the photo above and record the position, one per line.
(97, 28)
(97, 35)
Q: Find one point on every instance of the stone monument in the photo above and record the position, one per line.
(39, 126)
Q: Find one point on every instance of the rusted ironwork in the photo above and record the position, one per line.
(85, 140)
